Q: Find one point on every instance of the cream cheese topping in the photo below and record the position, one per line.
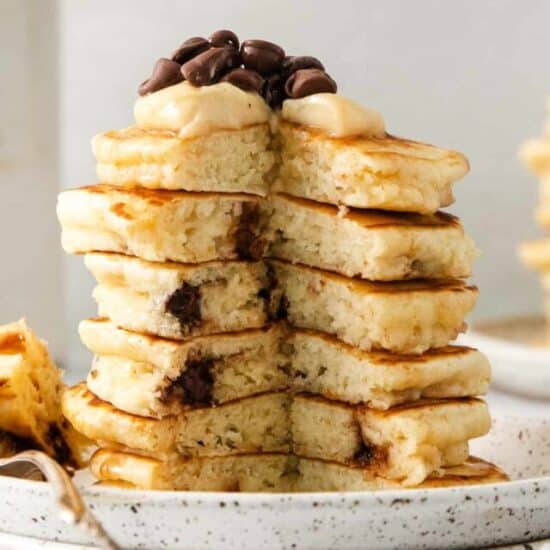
(335, 115)
(191, 111)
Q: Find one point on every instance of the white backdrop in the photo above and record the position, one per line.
(470, 75)
(30, 259)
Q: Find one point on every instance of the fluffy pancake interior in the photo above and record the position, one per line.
(176, 300)
(401, 317)
(160, 225)
(266, 472)
(369, 244)
(390, 173)
(407, 443)
(153, 376)
(225, 161)
(30, 395)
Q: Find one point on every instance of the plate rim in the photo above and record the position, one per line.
(150, 496)
(477, 338)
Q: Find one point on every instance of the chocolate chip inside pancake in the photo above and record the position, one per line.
(276, 303)
(194, 386)
(185, 305)
(366, 454)
(282, 309)
(271, 284)
(249, 244)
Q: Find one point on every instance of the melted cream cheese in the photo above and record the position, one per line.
(335, 115)
(191, 111)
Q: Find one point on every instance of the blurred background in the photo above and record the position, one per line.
(470, 75)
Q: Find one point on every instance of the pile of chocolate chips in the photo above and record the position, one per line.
(254, 65)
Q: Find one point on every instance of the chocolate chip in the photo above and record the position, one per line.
(224, 38)
(307, 82)
(271, 282)
(262, 56)
(365, 455)
(185, 305)
(282, 308)
(291, 64)
(273, 90)
(247, 80)
(194, 386)
(269, 294)
(249, 245)
(165, 73)
(190, 48)
(368, 454)
(207, 67)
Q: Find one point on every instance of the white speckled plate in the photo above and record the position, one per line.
(475, 516)
(519, 351)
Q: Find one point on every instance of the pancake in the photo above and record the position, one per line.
(387, 173)
(321, 364)
(535, 153)
(156, 377)
(179, 300)
(407, 443)
(250, 472)
(225, 161)
(542, 212)
(544, 189)
(254, 424)
(30, 394)
(268, 472)
(160, 225)
(319, 475)
(536, 254)
(401, 317)
(9, 445)
(369, 244)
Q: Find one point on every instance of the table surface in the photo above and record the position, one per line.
(500, 403)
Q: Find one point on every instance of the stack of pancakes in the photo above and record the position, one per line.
(276, 307)
(536, 254)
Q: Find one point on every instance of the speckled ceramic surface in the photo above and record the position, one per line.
(450, 518)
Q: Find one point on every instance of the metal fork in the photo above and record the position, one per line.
(72, 510)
